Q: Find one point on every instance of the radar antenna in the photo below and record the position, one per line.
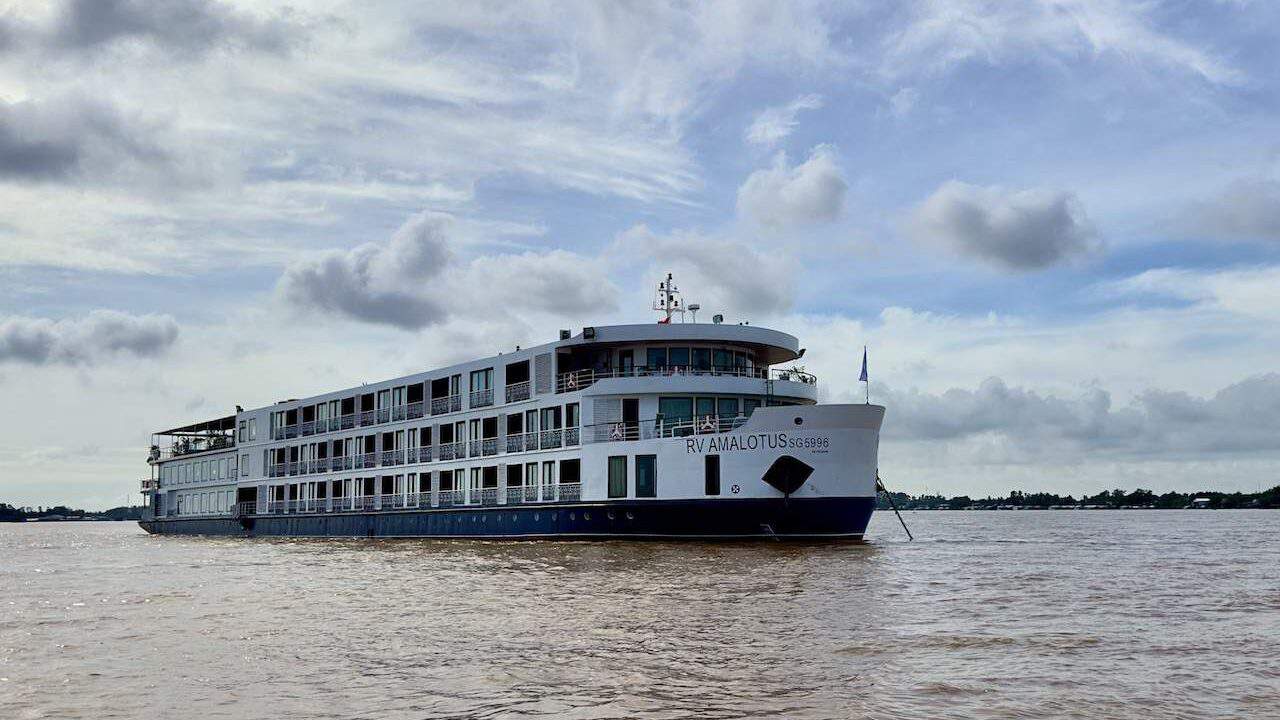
(668, 301)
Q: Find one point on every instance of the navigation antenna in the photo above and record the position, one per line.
(668, 301)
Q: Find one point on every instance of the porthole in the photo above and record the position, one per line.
(799, 421)
(571, 516)
(535, 517)
(611, 517)
(630, 516)
(585, 516)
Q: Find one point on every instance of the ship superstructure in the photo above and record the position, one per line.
(668, 429)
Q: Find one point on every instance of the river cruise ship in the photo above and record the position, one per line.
(661, 430)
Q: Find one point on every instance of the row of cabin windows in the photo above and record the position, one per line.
(551, 418)
(203, 503)
(443, 387)
(675, 409)
(199, 471)
(697, 358)
(248, 430)
(548, 472)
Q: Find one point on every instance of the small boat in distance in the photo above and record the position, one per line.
(661, 430)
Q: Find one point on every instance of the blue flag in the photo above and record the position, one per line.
(863, 376)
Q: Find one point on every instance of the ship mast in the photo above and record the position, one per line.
(668, 301)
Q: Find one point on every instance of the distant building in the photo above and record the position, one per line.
(1200, 503)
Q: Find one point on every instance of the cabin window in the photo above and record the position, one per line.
(675, 409)
(490, 476)
(618, 476)
(646, 476)
(531, 474)
(722, 360)
(706, 406)
(657, 358)
(711, 472)
(549, 472)
(570, 472)
(481, 379)
(702, 358)
(678, 357)
(571, 415)
(749, 406)
(244, 430)
(727, 407)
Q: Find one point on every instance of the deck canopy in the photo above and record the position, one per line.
(202, 429)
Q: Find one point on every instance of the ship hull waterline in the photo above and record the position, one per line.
(808, 518)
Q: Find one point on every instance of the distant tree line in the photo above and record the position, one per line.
(1107, 499)
(9, 513)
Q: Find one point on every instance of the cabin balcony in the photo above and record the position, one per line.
(448, 404)
(519, 391)
(481, 398)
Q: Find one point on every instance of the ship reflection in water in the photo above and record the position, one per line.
(1089, 615)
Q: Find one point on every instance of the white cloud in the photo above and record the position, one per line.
(775, 123)
(1036, 427)
(723, 275)
(415, 280)
(902, 102)
(940, 34)
(783, 196)
(96, 337)
(1014, 229)
(1245, 210)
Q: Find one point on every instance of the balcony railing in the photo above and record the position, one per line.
(550, 439)
(384, 415)
(392, 457)
(366, 418)
(309, 427)
(572, 436)
(660, 428)
(580, 379)
(442, 405)
(518, 391)
(490, 496)
(365, 460)
(474, 445)
(348, 421)
(516, 443)
(449, 498)
(415, 410)
(481, 398)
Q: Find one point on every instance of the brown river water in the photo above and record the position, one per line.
(1063, 614)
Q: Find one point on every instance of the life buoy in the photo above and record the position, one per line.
(615, 432)
(708, 423)
(571, 382)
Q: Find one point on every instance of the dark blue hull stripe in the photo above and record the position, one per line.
(796, 518)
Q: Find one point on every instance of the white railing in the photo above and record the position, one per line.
(659, 428)
(518, 391)
(415, 410)
(442, 405)
(449, 498)
(481, 398)
(575, 380)
(550, 439)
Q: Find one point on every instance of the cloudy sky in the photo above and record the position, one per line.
(1056, 223)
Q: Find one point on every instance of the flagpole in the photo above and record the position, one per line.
(864, 377)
